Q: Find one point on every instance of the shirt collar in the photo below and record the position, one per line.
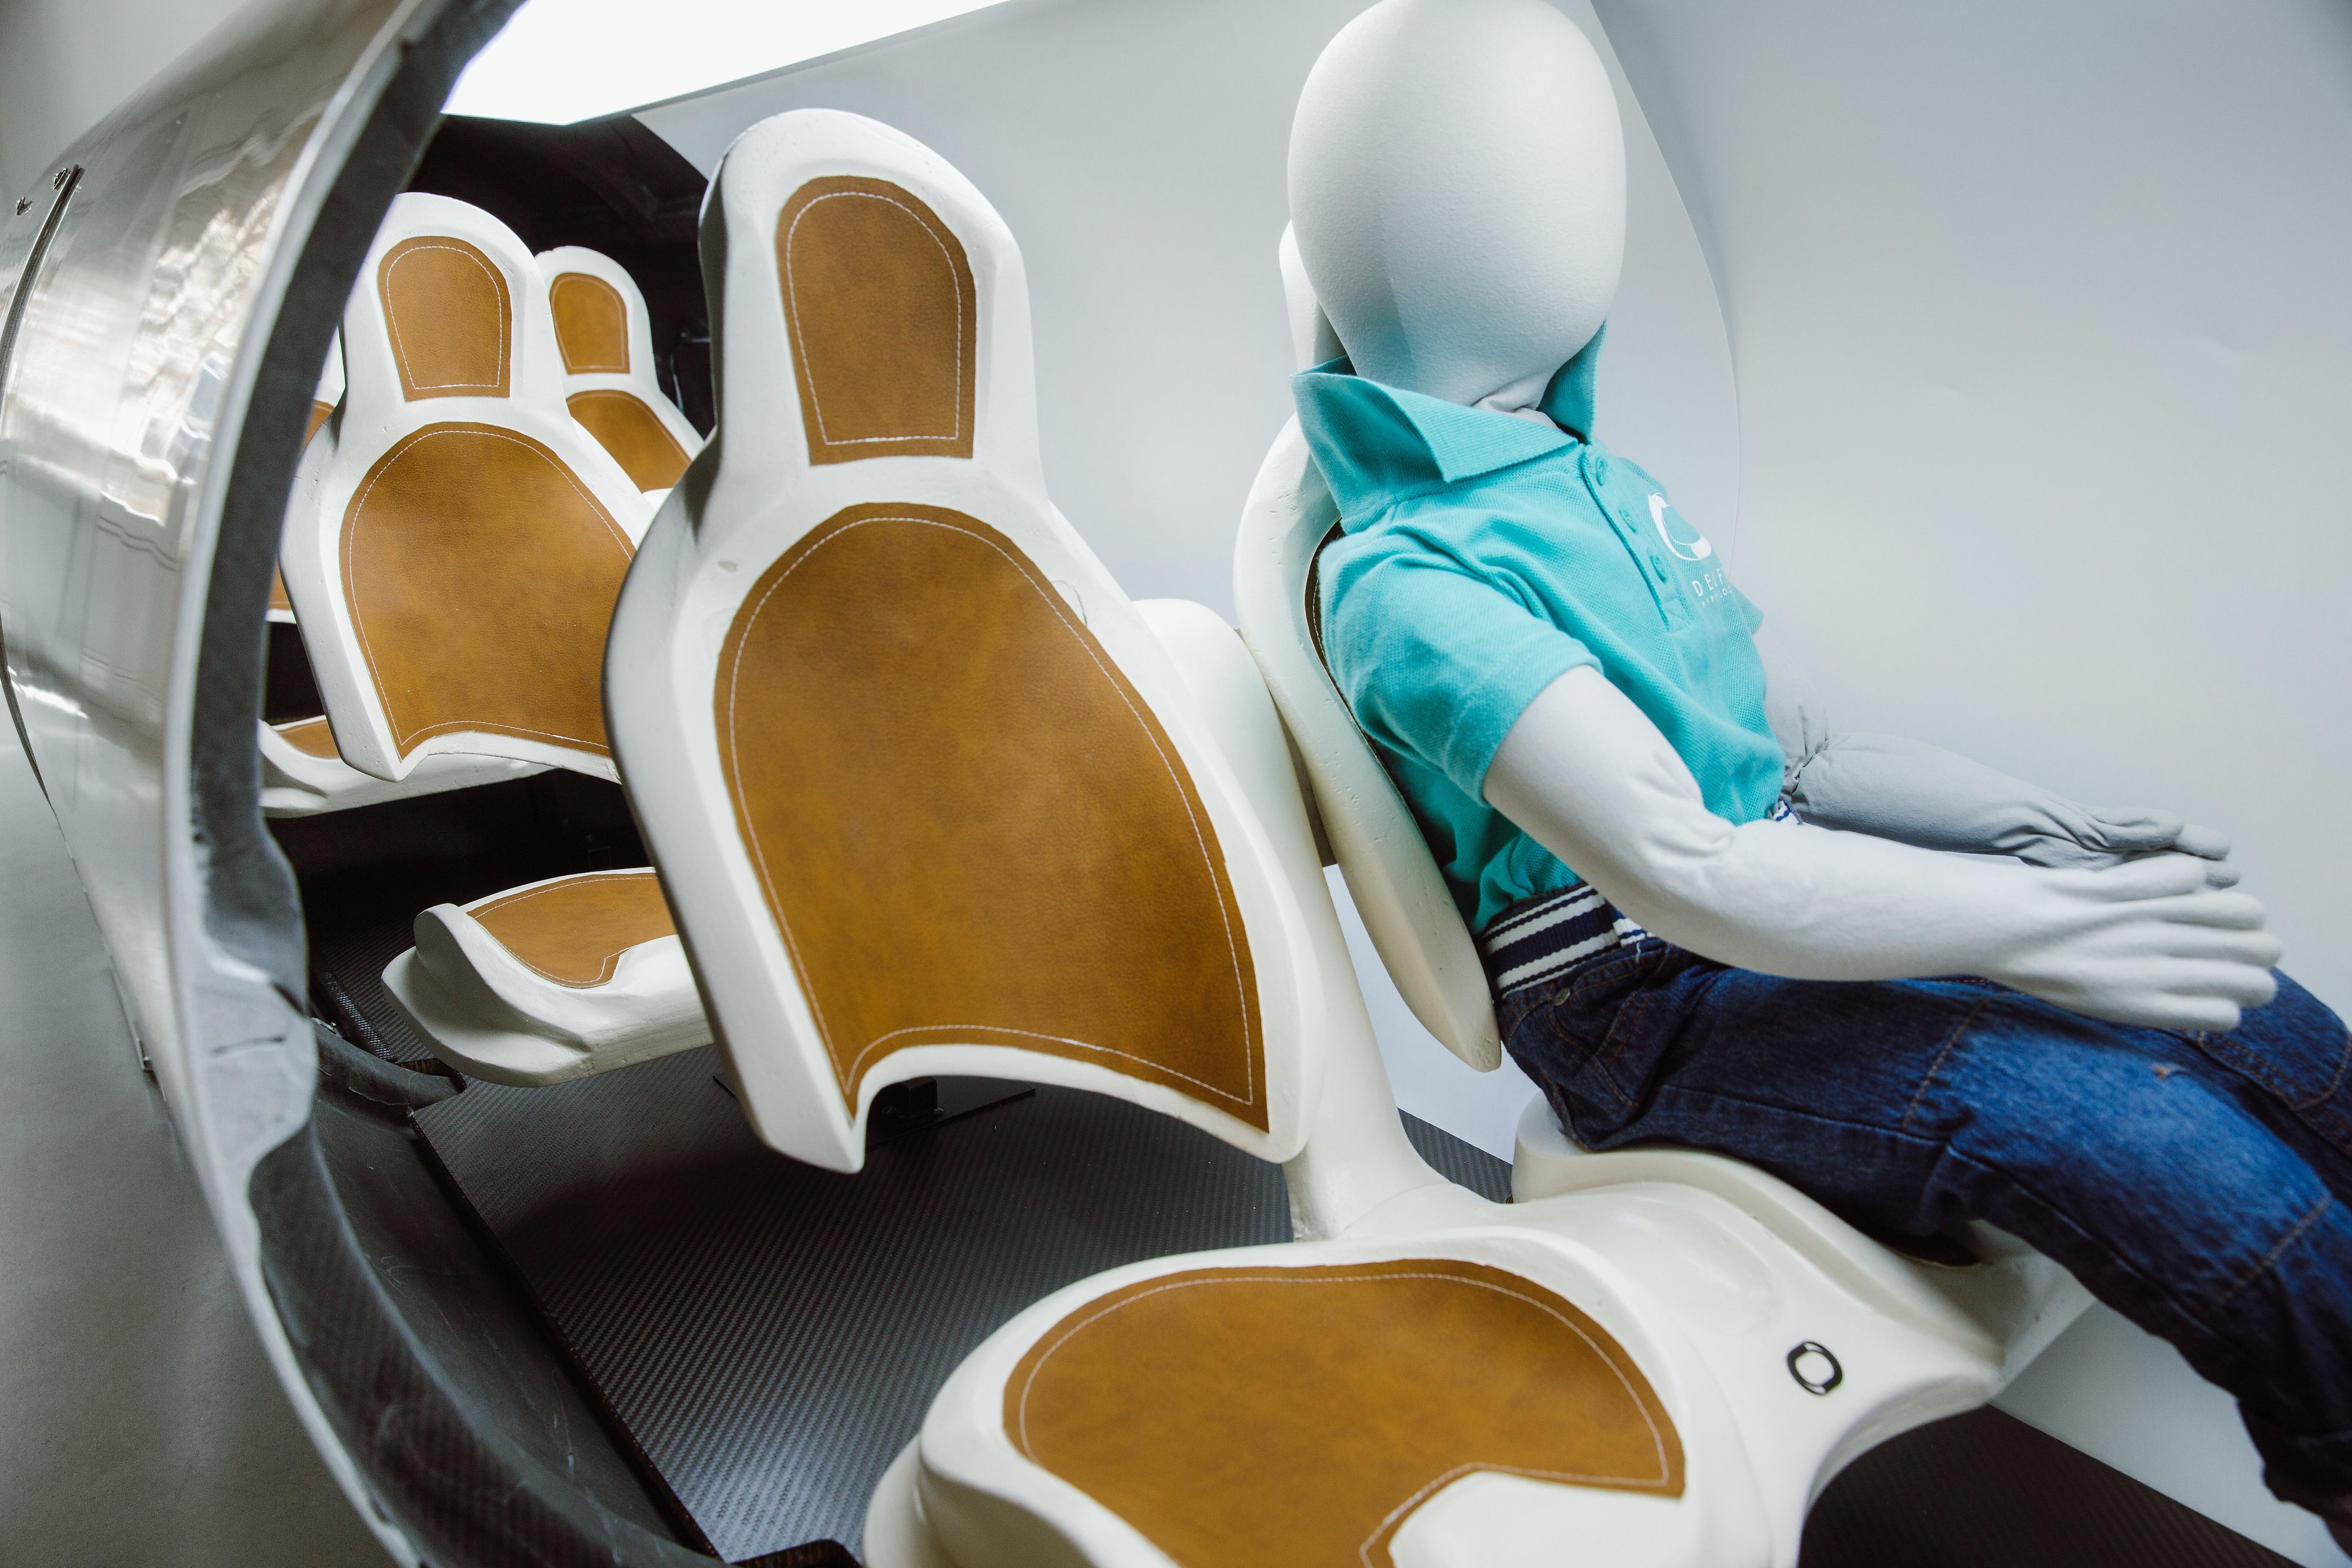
(1375, 443)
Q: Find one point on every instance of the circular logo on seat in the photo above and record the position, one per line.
(1814, 1368)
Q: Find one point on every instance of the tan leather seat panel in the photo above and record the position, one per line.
(312, 737)
(451, 319)
(625, 428)
(575, 931)
(970, 828)
(880, 303)
(591, 324)
(1299, 1415)
(481, 575)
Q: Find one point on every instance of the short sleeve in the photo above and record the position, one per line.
(1435, 659)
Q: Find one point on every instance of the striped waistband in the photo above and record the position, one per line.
(1543, 937)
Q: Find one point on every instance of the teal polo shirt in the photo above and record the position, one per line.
(1482, 557)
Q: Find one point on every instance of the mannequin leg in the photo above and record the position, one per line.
(2203, 1201)
(2292, 1065)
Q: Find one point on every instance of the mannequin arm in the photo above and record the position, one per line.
(1587, 776)
(1924, 795)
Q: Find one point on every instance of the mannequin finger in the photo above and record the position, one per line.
(2147, 877)
(2213, 907)
(2241, 984)
(2222, 874)
(2255, 950)
(2136, 830)
(2173, 954)
(2203, 842)
(2219, 974)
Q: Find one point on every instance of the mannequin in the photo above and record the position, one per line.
(1708, 918)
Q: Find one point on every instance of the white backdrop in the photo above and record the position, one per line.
(2004, 349)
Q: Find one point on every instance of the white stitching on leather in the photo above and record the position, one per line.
(791, 297)
(391, 318)
(358, 624)
(1249, 1070)
(507, 901)
(1291, 1277)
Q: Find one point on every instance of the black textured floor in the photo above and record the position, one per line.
(769, 1334)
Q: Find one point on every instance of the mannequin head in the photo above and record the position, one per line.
(1457, 185)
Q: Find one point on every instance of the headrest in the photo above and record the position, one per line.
(894, 319)
(601, 325)
(437, 312)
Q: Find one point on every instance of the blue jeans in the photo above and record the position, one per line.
(2197, 1184)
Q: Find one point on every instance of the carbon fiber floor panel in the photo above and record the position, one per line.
(769, 1334)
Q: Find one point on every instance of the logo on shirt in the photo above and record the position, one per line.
(1695, 548)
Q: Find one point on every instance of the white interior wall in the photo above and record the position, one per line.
(2041, 341)
(2038, 363)
(65, 64)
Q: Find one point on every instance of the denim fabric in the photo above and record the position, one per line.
(2197, 1184)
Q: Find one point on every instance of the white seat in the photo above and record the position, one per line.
(302, 774)
(931, 794)
(605, 336)
(869, 864)
(456, 583)
(552, 981)
(454, 586)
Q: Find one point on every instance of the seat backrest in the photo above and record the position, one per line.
(1407, 908)
(605, 337)
(926, 792)
(455, 585)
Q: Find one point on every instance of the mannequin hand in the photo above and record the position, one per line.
(2150, 940)
(2090, 837)
(1924, 795)
(2150, 943)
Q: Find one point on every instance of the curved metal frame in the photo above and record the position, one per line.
(168, 308)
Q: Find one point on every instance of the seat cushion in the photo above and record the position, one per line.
(591, 324)
(573, 931)
(541, 983)
(303, 773)
(1300, 1414)
(312, 737)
